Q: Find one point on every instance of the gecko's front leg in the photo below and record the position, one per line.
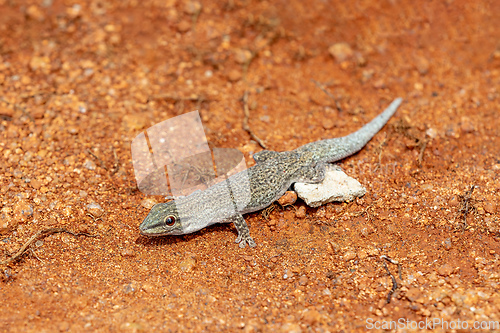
(244, 237)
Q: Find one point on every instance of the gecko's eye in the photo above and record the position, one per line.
(169, 221)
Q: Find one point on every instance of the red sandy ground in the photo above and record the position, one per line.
(79, 80)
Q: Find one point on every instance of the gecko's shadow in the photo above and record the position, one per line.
(194, 237)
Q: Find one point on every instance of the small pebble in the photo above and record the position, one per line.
(74, 11)
(466, 125)
(184, 26)
(446, 244)
(192, 7)
(290, 328)
(127, 252)
(36, 184)
(90, 165)
(265, 118)
(7, 223)
(311, 317)
(492, 224)
(148, 203)
(303, 280)
(242, 56)
(379, 84)
(327, 124)
(445, 270)
(341, 51)
(134, 122)
(95, 209)
(35, 13)
(490, 207)
(129, 288)
(39, 63)
(431, 133)
(300, 212)
(413, 294)
(63, 326)
(349, 255)
(289, 198)
(422, 64)
(234, 75)
(362, 254)
(188, 264)
(147, 287)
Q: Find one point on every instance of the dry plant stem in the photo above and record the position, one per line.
(421, 154)
(394, 282)
(116, 165)
(16, 106)
(266, 212)
(175, 98)
(101, 163)
(320, 86)
(246, 127)
(39, 234)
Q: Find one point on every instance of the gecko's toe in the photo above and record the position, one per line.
(243, 241)
(250, 242)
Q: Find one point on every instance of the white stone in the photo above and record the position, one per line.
(337, 186)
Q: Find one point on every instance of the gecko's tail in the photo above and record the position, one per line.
(357, 140)
(332, 150)
(365, 133)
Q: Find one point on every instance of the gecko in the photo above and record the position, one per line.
(259, 186)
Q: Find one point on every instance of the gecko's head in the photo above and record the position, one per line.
(163, 219)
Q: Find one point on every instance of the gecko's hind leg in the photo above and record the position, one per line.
(243, 231)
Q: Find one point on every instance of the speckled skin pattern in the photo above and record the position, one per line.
(259, 186)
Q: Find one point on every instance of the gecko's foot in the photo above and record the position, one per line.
(244, 237)
(243, 240)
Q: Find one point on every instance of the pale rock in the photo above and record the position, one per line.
(337, 186)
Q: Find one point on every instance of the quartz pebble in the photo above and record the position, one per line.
(349, 255)
(95, 209)
(341, 51)
(187, 264)
(148, 203)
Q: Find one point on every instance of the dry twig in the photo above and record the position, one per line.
(16, 106)
(39, 234)
(246, 127)
(394, 282)
(101, 163)
(321, 86)
(116, 165)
